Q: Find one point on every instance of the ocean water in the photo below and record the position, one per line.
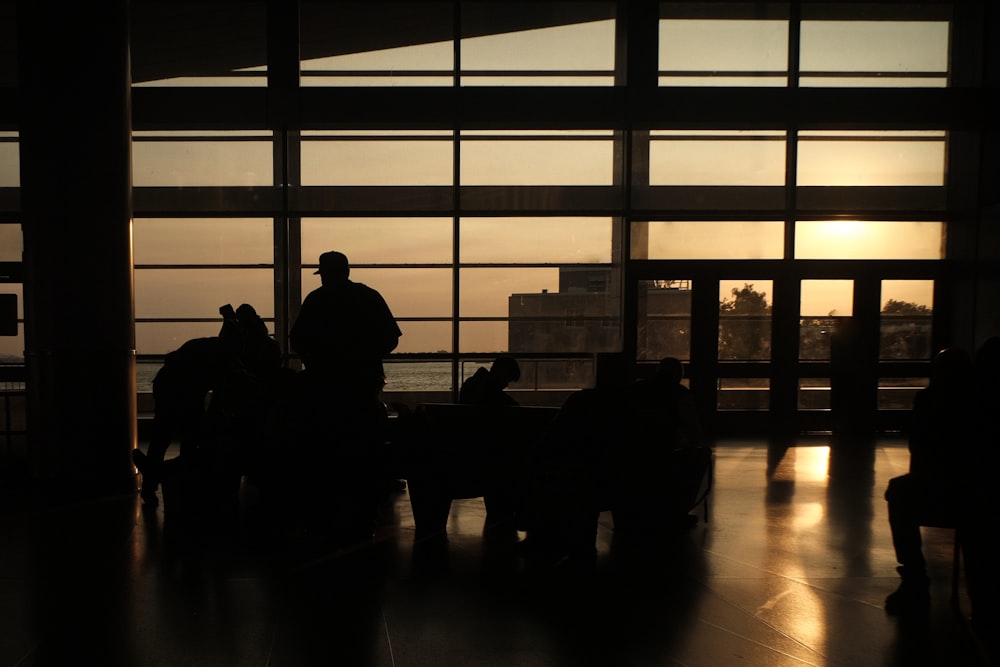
(400, 375)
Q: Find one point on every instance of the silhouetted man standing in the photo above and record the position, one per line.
(343, 331)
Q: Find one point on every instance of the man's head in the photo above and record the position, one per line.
(506, 369)
(671, 369)
(333, 267)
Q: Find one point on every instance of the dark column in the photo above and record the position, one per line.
(75, 120)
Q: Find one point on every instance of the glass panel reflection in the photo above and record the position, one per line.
(719, 157)
(10, 160)
(489, 292)
(823, 303)
(488, 336)
(721, 52)
(874, 53)
(906, 320)
(744, 320)
(873, 158)
(868, 239)
(537, 158)
(743, 394)
(203, 241)
(372, 44)
(707, 239)
(555, 239)
(12, 347)
(898, 393)
(664, 326)
(198, 293)
(417, 375)
(379, 240)
(376, 158)
(11, 243)
(814, 394)
(538, 43)
(189, 159)
(162, 337)
(424, 337)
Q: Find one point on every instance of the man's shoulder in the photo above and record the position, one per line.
(362, 288)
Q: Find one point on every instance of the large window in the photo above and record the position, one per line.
(511, 182)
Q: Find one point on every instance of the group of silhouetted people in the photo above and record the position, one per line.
(954, 443)
(619, 446)
(309, 440)
(205, 387)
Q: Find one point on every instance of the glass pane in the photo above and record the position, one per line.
(823, 303)
(559, 374)
(538, 43)
(537, 158)
(144, 373)
(198, 293)
(188, 159)
(12, 347)
(203, 241)
(720, 52)
(10, 160)
(874, 53)
(690, 239)
(738, 157)
(408, 292)
(424, 337)
(372, 44)
(868, 239)
(565, 322)
(380, 240)
(664, 324)
(566, 309)
(163, 337)
(744, 394)
(11, 243)
(871, 158)
(377, 158)
(498, 292)
(486, 337)
(905, 327)
(552, 240)
(744, 320)
(198, 43)
(814, 394)
(417, 375)
(898, 393)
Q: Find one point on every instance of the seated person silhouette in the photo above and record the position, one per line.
(982, 511)
(660, 473)
(940, 441)
(664, 394)
(486, 387)
(203, 379)
(575, 469)
(248, 405)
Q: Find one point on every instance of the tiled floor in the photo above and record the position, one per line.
(790, 569)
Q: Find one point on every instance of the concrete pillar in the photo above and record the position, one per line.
(76, 204)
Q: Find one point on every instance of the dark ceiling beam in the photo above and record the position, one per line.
(572, 108)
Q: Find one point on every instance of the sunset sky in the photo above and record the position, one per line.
(718, 157)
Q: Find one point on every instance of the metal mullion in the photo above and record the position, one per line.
(456, 184)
